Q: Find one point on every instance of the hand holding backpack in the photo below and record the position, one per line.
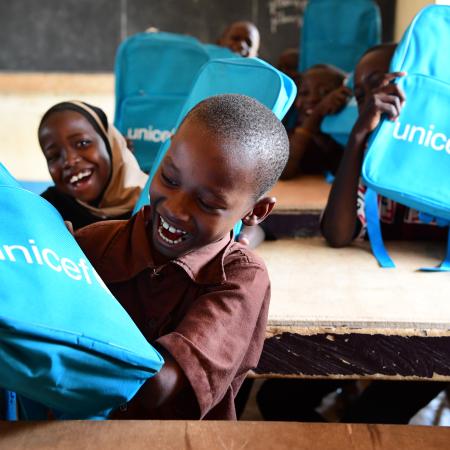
(408, 160)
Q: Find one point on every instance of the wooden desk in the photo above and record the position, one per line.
(179, 435)
(300, 202)
(334, 313)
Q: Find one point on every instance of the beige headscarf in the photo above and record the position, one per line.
(127, 179)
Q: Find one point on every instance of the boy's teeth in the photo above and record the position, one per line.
(171, 228)
(170, 241)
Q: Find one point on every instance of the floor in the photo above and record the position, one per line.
(437, 412)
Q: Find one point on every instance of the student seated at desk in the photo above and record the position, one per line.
(344, 218)
(342, 222)
(96, 177)
(321, 92)
(241, 37)
(200, 297)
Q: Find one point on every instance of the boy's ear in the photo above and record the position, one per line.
(260, 211)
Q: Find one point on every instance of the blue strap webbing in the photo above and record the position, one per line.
(10, 405)
(374, 230)
(445, 264)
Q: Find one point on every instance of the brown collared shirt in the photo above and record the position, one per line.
(208, 309)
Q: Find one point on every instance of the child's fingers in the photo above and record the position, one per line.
(386, 78)
(392, 89)
(389, 105)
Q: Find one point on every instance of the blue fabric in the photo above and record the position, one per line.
(339, 125)
(154, 75)
(247, 76)
(65, 341)
(374, 230)
(409, 160)
(338, 32)
(8, 405)
(38, 187)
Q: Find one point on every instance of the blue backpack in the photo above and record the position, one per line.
(248, 76)
(408, 160)
(340, 125)
(154, 75)
(338, 32)
(65, 341)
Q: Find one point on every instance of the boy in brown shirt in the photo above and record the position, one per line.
(200, 297)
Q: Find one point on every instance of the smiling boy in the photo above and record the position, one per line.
(194, 292)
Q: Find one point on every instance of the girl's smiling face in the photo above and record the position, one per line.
(77, 157)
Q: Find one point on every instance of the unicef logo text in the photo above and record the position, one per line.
(149, 134)
(427, 137)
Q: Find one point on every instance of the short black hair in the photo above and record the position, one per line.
(253, 129)
(390, 46)
(334, 70)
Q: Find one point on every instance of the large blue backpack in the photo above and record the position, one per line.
(248, 76)
(338, 32)
(408, 160)
(65, 341)
(340, 125)
(154, 75)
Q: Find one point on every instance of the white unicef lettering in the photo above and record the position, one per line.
(69, 267)
(35, 252)
(437, 136)
(50, 258)
(429, 134)
(149, 134)
(422, 136)
(156, 135)
(84, 268)
(9, 251)
(396, 130)
(412, 134)
(45, 254)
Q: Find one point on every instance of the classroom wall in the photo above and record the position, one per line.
(83, 35)
(405, 12)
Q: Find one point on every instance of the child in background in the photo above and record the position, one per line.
(343, 220)
(200, 297)
(321, 92)
(241, 37)
(96, 177)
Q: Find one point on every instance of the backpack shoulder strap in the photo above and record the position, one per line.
(374, 230)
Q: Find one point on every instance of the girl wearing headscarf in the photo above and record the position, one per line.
(96, 176)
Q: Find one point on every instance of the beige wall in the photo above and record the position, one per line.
(405, 12)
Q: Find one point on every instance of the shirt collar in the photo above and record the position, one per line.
(204, 265)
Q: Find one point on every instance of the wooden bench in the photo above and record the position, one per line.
(335, 314)
(210, 435)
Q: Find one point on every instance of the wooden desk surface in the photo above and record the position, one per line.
(304, 193)
(198, 435)
(334, 312)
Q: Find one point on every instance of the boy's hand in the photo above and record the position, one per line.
(386, 99)
(333, 102)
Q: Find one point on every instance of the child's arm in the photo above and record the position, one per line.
(164, 386)
(219, 338)
(339, 221)
(309, 131)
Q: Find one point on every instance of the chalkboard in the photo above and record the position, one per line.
(83, 35)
